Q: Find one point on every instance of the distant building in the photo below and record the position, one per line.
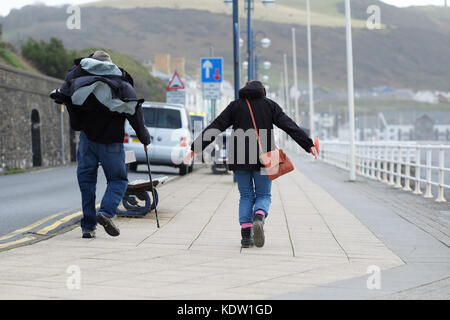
(165, 63)
(444, 97)
(424, 128)
(162, 63)
(398, 126)
(426, 96)
(179, 65)
(194, 96)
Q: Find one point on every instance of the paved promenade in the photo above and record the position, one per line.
(311, 241)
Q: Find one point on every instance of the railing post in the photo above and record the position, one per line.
(367, 161)
(360, 154)
(359, 157)
(362, 160)
(417, 169)
(372, 161)
(391, 167)
(385, 169)
(399, 168)
(428, 193)
(347, 157)
(407, 186)
(441, 197)
(378, 163)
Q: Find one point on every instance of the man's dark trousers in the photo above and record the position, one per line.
(112, 158)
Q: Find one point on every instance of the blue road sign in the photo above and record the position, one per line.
(212, 70)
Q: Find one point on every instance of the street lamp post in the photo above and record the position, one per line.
(286, 85)
(265, 43)
(236, 44)
(250, 35)
(250, 40)
(236, 58)
(310, 74)
(294, 52)
(351, 90)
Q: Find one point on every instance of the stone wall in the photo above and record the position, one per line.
(21, 92)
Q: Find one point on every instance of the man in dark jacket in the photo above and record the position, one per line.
(90, 104)
(254, 186)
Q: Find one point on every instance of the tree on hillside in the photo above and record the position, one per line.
(51, 58)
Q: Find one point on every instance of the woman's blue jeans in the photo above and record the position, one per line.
(112, 158)
(254, 188)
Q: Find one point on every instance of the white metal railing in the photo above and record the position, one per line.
(403, 165)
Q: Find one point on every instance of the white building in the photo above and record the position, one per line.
(426, 96)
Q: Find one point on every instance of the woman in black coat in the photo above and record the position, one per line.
(253, 183)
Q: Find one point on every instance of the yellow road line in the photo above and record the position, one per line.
(22, 240)
(43, 231)
(53, 226)
(34, 225)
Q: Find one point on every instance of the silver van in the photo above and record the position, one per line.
(171, 137)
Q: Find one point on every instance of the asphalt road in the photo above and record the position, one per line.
(28, 197)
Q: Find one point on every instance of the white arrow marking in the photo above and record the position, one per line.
(207, 65)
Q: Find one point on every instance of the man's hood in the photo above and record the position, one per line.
(252, 90)
(100, 68)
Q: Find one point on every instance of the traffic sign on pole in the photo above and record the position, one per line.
(212, 77)
(211, 91)
(212, 70)
(175, 90)
(176, 96)
(175, 83)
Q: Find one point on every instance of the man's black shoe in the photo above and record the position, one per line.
(247, 237)
(109, 226)
(258, 230)
(89, 235)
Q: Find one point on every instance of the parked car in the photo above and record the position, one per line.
(171, 135)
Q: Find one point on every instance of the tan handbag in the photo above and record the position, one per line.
(276, 162)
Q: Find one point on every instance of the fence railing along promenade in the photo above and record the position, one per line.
(404, 165)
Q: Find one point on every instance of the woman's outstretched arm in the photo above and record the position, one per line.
(220, 124)
(282, 121)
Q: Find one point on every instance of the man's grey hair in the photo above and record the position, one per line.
(102, 56)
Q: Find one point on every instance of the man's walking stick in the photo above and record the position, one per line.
(151, 183)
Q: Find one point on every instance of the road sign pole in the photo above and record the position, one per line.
(213, 109)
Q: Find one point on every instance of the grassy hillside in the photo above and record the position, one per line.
(146, 86)
(324, 12)
(403, 55)
(11, 58)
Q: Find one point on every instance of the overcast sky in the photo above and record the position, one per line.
(7, 5)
